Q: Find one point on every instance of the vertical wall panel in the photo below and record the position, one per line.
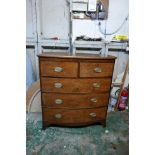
(54, 18)
(120, 63)
(29, 19)
(30, 67)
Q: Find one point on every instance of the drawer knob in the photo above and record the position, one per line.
(58, 116)
(94, 100)
(58, 69)
(97, 70)
(58, 85)
(96, 85)
(58, 101)
(93, 114)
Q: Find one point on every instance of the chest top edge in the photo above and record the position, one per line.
(76, 56)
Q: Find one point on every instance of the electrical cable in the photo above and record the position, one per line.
(105, 34)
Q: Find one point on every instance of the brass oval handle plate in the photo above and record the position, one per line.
(93, 114)
(58, 69)
(58, 85)
(96, 85)
(94, 100)
(58, 101)
(58, 116)
(97, 70)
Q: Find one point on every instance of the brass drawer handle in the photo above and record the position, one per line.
(58, 116)
(93, 114)
(96, 85)
(94, 100)
(98, 70)
(58, 101)
(58, 85)
(58, 69)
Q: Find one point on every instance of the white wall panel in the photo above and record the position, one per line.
(118, 11)
(29, 20)
(30, 67)
(54, 18)
(120, 62)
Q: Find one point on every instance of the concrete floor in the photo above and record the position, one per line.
(91, 140)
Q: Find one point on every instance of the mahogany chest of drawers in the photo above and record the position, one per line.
(75, 89)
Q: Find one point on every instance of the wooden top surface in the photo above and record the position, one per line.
(80, 56)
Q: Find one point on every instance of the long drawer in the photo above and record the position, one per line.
(72, 101)
(58, 116)
(59, 85)
(58, 69)
(96, 69)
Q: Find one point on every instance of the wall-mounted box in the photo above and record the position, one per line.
(92, 5)
(79, 6)
(80, 1)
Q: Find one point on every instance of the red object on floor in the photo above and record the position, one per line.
(123, 100)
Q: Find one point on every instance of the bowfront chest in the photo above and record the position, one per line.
(75, 89)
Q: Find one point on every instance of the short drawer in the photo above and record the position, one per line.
(96, 69)
(72, 101)
(61, 116)
(59, 85)
(58, 69)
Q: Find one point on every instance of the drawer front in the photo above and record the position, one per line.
(58, 69)
(96, 69)
(58, 85)
(74, 101)
(57, 116)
